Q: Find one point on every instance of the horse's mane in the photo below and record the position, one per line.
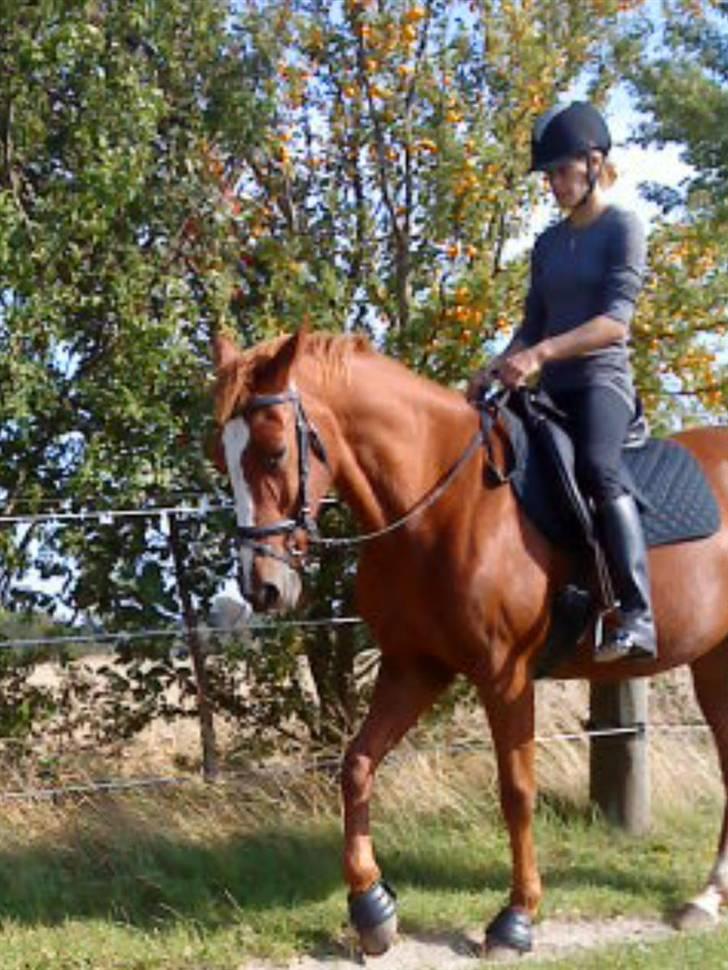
(235, 382)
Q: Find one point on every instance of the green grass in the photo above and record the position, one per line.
(204, 880)
(696, 951)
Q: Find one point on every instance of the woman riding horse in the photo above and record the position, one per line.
(586, 274)
(453, 578)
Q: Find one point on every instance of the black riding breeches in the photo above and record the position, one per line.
(598, 422)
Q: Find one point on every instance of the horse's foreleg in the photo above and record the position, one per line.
(402, 692)
(512, 726)
(710, 680)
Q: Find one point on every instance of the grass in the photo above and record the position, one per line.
(202, 880)
(196, 878)
(697, 951)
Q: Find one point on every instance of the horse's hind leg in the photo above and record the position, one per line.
(710, 679)
(403, 691)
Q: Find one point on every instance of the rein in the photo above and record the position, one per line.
(308, 440)
(427, 500)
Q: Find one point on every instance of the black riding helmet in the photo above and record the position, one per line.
(567, 131)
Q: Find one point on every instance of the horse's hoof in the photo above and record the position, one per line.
(510, 930)
(373, 915)
(692, 917)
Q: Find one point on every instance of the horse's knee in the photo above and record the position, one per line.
(356, 775)
(518, 800)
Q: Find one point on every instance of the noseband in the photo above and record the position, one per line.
(307, 441)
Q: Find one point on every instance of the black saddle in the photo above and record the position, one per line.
(675, 499)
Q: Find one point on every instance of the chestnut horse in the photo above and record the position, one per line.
(453, 578)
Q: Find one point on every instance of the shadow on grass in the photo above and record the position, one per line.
(403, 868)
(153, 878)
(147, 877)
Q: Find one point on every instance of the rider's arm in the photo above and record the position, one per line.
(623, 276)
(534, 317)
(596, 334)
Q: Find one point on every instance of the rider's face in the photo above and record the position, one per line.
(569, 181)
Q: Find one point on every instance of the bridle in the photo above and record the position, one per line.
(308, 441)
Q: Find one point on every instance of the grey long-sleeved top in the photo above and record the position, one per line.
(579, 274)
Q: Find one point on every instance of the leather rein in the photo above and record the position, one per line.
(308, 442)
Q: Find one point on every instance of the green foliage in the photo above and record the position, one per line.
(685, 94)
(26, 706)
(102, 356)
(165, 168)
(683, 91)
(107, 114)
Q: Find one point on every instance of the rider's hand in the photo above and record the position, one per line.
(515, 370)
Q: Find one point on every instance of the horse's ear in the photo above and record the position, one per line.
(224, 350)
(278, 368)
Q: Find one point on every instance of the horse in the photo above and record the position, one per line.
(452, 579)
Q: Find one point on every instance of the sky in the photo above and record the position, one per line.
(636, 164)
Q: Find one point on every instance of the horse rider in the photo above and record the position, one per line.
(586, 273)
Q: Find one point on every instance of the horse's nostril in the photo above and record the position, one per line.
(268, 596)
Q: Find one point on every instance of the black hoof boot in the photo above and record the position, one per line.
(511, 929)
(373, 915)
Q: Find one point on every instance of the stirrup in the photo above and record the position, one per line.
(624, 644)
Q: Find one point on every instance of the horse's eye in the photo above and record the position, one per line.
(274, 460)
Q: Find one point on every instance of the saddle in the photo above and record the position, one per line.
(674, 498)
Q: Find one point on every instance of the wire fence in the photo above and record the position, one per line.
(320, 766)
(177, 632)
(108, 516)
(247, 624)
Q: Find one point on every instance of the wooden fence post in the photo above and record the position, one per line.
(619, 763)
(208, 740)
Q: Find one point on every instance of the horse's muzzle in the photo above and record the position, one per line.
(274, 589)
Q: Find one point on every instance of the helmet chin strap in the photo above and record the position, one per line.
(592, 177)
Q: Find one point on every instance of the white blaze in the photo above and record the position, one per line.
(235, 437)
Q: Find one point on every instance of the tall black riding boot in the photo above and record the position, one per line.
(621, 533)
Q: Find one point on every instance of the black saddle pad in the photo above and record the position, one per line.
(674, 497)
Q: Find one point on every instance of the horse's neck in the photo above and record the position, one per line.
(397, 434)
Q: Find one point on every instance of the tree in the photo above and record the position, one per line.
(107, 114)
(395, 172)
(168, 168)
(683, 93)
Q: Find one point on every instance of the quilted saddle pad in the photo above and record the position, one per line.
(675, 499)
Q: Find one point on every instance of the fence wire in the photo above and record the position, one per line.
(108, 515)
(178, 632)
(319, 766)
(126, 785)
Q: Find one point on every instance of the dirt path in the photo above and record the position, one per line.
(553, 939)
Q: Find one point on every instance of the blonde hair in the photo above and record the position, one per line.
(608, 173)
